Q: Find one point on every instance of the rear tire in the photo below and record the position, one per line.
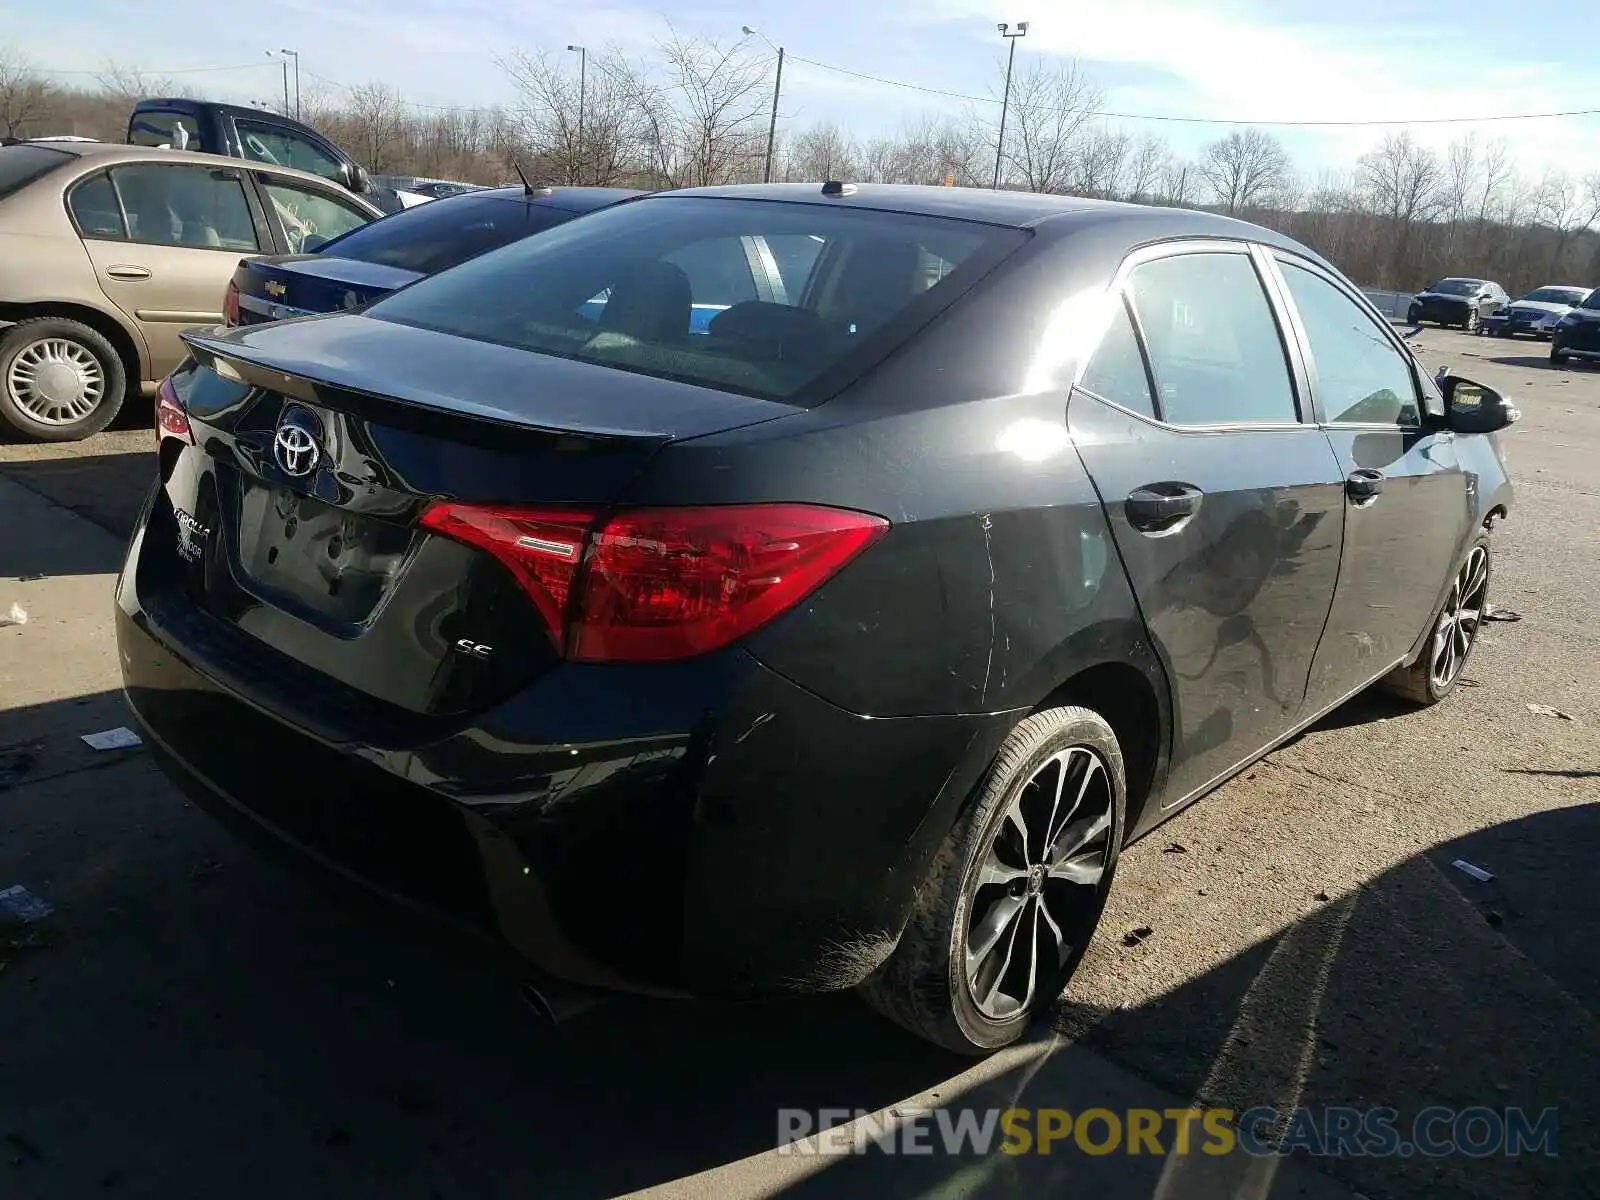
(60, 381)
(1558, 356)
(1016, 890)
(1451, 639)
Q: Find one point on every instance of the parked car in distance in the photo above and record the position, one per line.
(376, 259)
(257, 135)
(108, 252)
(1457, 301)
(427, 189)
(1577, 335)
(842, 644)
(1537, 313)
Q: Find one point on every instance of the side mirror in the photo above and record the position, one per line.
(1475, 408)
(312, 243)
(356, 179)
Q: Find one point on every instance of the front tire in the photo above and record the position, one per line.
(1015, 893)
(1455, 632)
(1558, 356)
(60, 381)
(1473, 321)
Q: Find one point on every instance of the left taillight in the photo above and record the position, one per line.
(171, 420)
(657, 585)
(230, 304)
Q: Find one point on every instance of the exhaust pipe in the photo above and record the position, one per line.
(556, 1004)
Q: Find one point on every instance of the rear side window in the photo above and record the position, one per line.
(1116, 372)
(679, 288)
(176, 204)
(21, 165)
(166, 129)
(95, 208)
(1214, 345)
(433, 237)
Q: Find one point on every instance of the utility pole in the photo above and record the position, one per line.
(295, 54)
(583, 83)
(777, 89)
(1005, 103)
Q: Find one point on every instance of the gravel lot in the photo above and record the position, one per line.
(195, 1022)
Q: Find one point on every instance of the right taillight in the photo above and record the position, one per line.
(658, 584)
(230, 304)
(171, 419)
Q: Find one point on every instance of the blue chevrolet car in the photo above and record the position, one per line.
(374, 260)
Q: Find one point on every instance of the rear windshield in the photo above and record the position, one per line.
(1556, 295)
(757, 297)
(432, 237)
(21, 165)
(151, 127)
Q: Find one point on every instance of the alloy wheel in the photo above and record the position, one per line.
(56, 381)
(1472, 321)
(1038, 890)
(1459, 622)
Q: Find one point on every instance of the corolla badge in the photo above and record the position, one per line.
(276, 290)
(297, 445)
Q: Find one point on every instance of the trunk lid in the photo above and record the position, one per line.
(314, 283)
(308, 540)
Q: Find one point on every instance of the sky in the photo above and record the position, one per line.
(1222, 60)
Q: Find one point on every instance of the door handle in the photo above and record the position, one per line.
(1363, 485)
(128, 271)
(1158, 508)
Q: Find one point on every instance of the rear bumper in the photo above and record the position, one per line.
(705, 828)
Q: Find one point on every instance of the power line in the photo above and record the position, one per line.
(1127, 116)
(1167, 118)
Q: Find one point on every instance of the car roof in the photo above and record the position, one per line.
(110, 153)
(1039, 211)
(572, 199)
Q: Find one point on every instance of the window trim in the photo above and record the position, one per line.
(1277, 259)
(1154, 415)
(1181, 248)
(110, 172)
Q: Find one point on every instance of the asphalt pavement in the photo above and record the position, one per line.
(194, 1021)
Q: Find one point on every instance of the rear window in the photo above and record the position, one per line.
(757, 297)
(432, 237)
(21, 165)
(178, 130)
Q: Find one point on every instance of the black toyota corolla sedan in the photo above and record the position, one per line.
(838, 640)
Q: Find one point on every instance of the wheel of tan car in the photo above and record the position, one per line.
(1016, 890)
(60, 381)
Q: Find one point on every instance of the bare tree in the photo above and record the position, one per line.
(821, 153)
(1565, 206)
(377, 118)
(1179, 179)
(1098, 163)
(711, 132)
(613, 143)
(128, 85)
(1149, 163)
(1246, 169)
(24, 96)
(1399, 182)
(1049, 116)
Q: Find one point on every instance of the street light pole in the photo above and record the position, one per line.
(295, 54)
(777, 89)
(583, 83)
(1005, 102)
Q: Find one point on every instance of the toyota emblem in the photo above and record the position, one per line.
(298, 443)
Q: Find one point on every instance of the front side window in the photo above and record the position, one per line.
(281, 147)
(185, 206)
(308, 218)
(1361, 376)
(1214, 345)
(667, 287)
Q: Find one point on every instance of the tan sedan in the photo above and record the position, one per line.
(108, 252)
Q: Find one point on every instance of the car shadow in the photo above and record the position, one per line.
(194, 1021)
(106, 489)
